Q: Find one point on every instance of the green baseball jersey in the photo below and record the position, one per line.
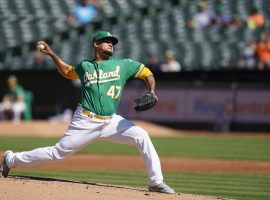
(102, 83)
(16, 93)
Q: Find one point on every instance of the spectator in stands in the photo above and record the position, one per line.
(84, 12)
(262, 48)
(235, 22)
(248, 57)
(221, 18)
(13, 104)
(255, 19)
(154, 63)
(170, 65)
(202, 18)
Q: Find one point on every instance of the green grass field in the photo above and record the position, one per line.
(231, 185)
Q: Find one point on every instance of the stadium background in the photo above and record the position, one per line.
(211, 92)
(209, 58)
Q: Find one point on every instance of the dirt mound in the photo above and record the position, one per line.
(47, 189)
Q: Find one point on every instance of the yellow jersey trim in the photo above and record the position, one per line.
(144, 72)
(71, 74)
(139, 71)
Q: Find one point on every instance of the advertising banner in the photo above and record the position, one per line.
(253, 106)
(182, 105)
(211, 106)
(171, 106)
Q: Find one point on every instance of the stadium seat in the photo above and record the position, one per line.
(213, 34)
(207, 56)
(138, 4)
(225, 55)
(67, 51)
(109, 8)
(187, 56)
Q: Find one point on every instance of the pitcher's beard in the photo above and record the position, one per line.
(109, 53)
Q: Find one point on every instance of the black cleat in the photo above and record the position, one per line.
(4, 169)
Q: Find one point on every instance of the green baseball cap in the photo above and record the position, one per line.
(104, 35)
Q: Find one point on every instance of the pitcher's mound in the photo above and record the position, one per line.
(25, 188)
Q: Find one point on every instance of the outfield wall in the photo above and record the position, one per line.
(220, 108)
(203, 105)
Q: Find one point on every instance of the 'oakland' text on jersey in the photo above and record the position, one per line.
(103, 82)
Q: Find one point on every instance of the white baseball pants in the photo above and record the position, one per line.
(84, 130)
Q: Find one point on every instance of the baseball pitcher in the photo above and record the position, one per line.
(102, 83)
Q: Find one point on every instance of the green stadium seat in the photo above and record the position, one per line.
(68, 51)
(207, 60)
(109, 8)
(138, 4)
(225, 55)
(188, 56)
(213, 34)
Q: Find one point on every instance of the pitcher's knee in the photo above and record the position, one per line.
(142, 137)
(60, 153)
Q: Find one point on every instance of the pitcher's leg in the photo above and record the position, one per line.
(124, 131)
(82, 131)
(36, 156)
(65, 147)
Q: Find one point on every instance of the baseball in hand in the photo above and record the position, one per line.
(40, 47)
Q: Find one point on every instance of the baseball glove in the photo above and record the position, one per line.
(145, 102)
